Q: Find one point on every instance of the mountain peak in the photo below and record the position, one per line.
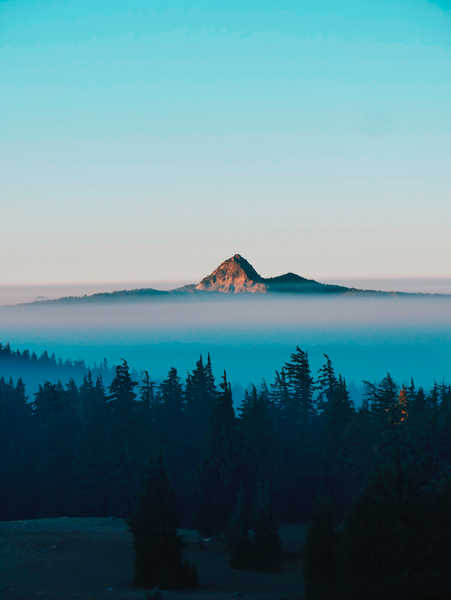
(236, 275)
(233, 276)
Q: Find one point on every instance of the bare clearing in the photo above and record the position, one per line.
(92, 559)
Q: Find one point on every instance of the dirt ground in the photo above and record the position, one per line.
(92, 559)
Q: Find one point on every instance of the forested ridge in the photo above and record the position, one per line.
(373, 480)
(34, 368)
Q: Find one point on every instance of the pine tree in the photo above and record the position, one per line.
(327, 380)
(259, 442)
(158, 547)
(321, 554)
(17, 451)
(337, 409)
(147, 392)
(171, 400)
(398, 531)
(96, 452)
(337, 412)
(218, 481)
(48, 402)
(87, 395)
(383, 400)
(403, 405)
(238, 541)
(280, 396)
(58, 438)
(200, 394)
(267, 552)
(122, 394)
(299, 408)
(125, 445)
(150, 418)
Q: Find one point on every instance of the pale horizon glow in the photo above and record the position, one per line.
(149, 141)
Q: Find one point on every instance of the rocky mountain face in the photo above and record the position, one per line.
(236, 275)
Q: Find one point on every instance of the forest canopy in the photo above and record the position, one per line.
(295, 450)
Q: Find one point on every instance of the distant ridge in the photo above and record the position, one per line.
(141, 293)
(233, 276)
(237, 276)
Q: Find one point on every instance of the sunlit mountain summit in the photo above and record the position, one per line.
(237, 276)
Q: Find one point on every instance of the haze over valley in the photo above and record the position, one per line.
(249, 333)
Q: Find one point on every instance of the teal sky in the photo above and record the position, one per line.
(147, 140)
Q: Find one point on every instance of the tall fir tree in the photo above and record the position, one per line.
(158, 547)
(299, 408)
(219, 474)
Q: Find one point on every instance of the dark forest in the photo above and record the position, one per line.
(373, 481)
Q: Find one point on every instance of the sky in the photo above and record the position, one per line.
(150, 140)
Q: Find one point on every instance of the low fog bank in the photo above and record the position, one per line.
(412, 285)
(18, 294)
(250, 337)
(245, 313)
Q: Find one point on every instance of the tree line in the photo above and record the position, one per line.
(35, 368)
(372, 480)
